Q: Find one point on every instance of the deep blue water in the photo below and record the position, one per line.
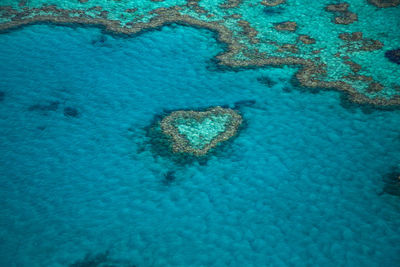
(299, 186)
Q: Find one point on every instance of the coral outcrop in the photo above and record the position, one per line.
(197, 132)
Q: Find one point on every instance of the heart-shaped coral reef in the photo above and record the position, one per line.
(196, 132)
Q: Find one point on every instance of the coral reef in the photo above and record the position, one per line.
(305, 39)
(196, 132)
(391, 184)
(231, 4)
(393, 55)
(272, 2)
(385, 3)
(342, 14)
(289, 26)
(102, 259)
(71, 112)
(248, 40)
(52, 106)
(356, 42)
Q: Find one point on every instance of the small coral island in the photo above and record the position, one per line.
(196, 132)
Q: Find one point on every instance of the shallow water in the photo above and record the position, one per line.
(301, 184)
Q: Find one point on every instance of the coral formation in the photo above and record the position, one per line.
(356, 42)
(196, 132)
(248, 41)
(385, 3)
(272, 2)
(71, 112)
(393, 55)
(306, 39)
(52, 106)
(342, 15)
(289, 26)
(99, 260)
(231, 4)
(391, 183)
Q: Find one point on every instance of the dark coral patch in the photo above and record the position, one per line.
(393, 55)
(374, 87)
(385, 3)
(289, 26)
(249, 31)
(22, 3)
(342, 15)
(356, 42)
(100, 259)
(342, 7)
(52, 106)
(351, 37)
(266, 81)
(346, 18)
(272, 2)
(305, 39)
(91, 260)
(169, 177)
(353, 66)
(273, 11)
(391, 183)
(291, 48)
(71, 112)
(230, 4)
(244, 103)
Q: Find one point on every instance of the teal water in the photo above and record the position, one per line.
(300, 186)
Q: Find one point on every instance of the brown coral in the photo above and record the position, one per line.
(305, 39)
(342, 14)
(385, 3)
(272, 2)
(290, 26)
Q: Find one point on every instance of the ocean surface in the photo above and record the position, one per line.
(81, 183)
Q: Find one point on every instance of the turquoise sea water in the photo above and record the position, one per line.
(300, 186)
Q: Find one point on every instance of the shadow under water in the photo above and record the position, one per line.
(52, 106)
(169, 177)
(101, 259)
(270, 11)
(391, 184)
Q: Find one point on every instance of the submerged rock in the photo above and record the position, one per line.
(385, 3)
(196, 132)
(289, 26)
(272, 2)
(391, 184)
(393, 55)
(343, 15)
(52, 106)
(305, 39)
(71, 112)
(169, 177)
